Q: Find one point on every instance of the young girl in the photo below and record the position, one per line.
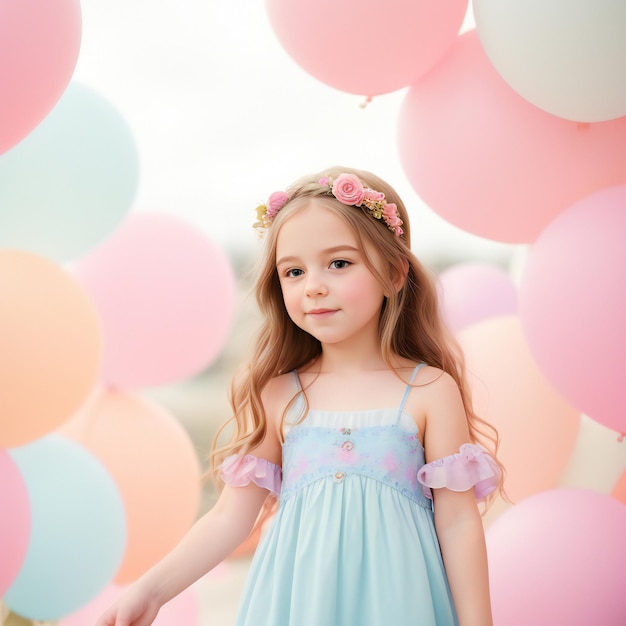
(354, 413)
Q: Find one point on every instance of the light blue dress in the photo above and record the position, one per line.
(353, 542)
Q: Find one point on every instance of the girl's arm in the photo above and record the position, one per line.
(209, 541)
(457, 520)
(462, 542)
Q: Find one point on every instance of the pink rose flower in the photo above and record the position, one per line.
(348, 189)
(276, 202)
(370, 194)
(392, 219)
(390, 214)
(390, 211)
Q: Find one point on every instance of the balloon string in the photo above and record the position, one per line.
(365, 102)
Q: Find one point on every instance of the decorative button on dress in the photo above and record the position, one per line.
(353, 542)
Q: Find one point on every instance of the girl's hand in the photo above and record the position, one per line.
(131, 610)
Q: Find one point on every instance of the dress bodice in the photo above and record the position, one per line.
(382, 444)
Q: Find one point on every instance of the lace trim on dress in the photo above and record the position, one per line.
(239, 471)
(470, 467)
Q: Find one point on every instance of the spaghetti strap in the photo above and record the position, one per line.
(409, 387)
(295, 373)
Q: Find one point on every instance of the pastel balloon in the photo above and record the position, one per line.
(39, 44)
(368, 47)
(182, 609)
(558, 557)
(619, 490)
(473, 292)
(50, 345)
(78, 529)
(153, 462)
(79, 167)
(569, 60)
(14, 527)
(538, 428)
(166, 297)
(490, 162)
(573, 305)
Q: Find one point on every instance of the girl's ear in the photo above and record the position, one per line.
(400, 275)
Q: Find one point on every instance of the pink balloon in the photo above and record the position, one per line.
(573, 305)
(489, 162)
(39, 44)
(559, 557)
(472, 292)
(537, 427)
(166, 297)
(14, 526)
(183, 609)
(366, 46)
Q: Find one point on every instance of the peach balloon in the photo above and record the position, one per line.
(619, 491)
(153, 462)
(538, 428)
(366, 46)
(491, 163)
(39, 45)
(50, 345)
(166, 296)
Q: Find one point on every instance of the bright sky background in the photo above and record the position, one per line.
(222, 117)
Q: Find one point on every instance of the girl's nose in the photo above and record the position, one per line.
(315, 285)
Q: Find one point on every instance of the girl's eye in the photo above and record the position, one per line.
(340, 264)
(294, 273)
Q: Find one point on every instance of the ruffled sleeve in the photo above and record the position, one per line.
(239, 471)
(470, 467)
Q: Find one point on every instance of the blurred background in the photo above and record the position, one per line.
(137, 141)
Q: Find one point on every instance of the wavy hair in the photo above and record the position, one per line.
(410, 323)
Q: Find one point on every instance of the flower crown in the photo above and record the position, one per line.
(348, 189)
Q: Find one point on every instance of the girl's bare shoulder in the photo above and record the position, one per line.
(433, 392)
(278, 393)
(435, 378)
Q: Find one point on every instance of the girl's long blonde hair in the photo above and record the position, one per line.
(410, 323)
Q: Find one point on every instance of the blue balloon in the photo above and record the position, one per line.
(70, 182)
(78, 532)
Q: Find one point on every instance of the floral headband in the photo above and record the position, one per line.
(348, 189)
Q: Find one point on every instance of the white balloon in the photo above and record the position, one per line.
(567, 57)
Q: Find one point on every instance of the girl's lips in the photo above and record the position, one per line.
(320, 312)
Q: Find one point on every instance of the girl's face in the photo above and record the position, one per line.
(327, 288)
